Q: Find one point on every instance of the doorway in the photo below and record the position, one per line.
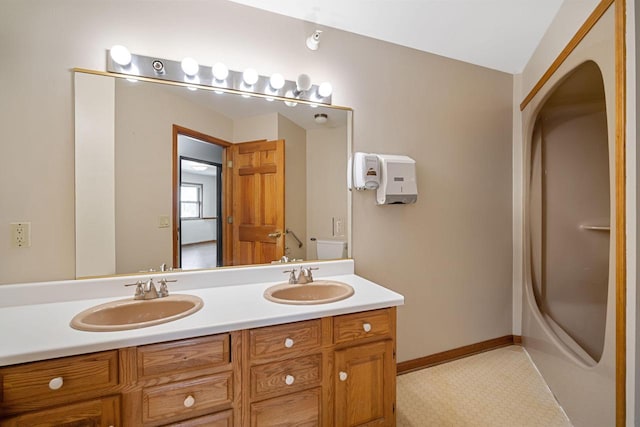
(199, 197)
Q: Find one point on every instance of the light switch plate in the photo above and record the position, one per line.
(338, 226)
(163, 221)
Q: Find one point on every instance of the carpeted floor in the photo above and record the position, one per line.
(501, 387)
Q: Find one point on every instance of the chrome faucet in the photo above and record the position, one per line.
(303, 277)
(147, 290)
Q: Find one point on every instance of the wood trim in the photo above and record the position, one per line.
(201, 136)
(620, 165)
(584, 29)
(456, 353)
(517, 339)
(175, 188)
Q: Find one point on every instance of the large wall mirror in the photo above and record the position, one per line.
(192, 179)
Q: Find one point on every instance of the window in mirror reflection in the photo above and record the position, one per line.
(190, 201)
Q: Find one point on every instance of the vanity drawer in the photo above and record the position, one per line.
(282, 340)
(286, 376)
(351, 327)
(54, 380)
(187, 398)
(297, 409)
(184, 355)
(99, 412)
(219, 419)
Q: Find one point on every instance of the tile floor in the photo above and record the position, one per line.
(501, 387)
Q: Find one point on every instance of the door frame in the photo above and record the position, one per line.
(227, 191)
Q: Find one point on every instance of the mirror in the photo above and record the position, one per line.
(131, 163)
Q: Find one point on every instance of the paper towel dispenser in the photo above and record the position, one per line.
(397, 180)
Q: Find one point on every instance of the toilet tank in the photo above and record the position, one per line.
(331, 249)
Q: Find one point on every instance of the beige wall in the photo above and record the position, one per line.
(254, 128)
(327, 170)
(449, 254)
(144, 119)
(295, 209)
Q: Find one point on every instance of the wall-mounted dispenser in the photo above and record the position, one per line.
(398, 180)
(364, 171)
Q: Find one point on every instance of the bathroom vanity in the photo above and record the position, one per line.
(240, 361)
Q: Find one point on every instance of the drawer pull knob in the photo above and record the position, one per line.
(367, 327)
(343, 376)
(289, 379)
(288, 343)
(189, 401)
(56, 383)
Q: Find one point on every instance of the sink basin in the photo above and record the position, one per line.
(132, 314)
(317, 292)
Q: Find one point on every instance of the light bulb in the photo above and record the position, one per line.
(303, 82)
(290, 94)
(120, 55)
(325, 90)
(276, 81)
(250, 76)
(220, 71)
(190, 66)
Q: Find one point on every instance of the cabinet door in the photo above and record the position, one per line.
(100, 412)
(364, 381)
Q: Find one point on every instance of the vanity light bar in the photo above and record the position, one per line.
(166, 69)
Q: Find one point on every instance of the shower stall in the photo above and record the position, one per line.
(569, 212)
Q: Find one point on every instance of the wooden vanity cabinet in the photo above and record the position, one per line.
(283, 374)
(183, 383)
(364, 369)
(335, 371)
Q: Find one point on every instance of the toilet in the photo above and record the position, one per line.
(331, 249)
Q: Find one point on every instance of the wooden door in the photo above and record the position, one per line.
(365, 385)
(258, 202)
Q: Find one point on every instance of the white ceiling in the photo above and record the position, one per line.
(498, 34)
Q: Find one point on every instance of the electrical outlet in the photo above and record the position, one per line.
(21, 234)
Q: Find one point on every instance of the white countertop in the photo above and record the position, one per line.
(41, 330)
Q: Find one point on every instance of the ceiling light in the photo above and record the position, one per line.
(250, 76)
(320, 118)
(276, 81)
(325, 89)
(303, 82)
(218, 77)
(314, 40)
(120, 55)
(190, 66)
(220, 71)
